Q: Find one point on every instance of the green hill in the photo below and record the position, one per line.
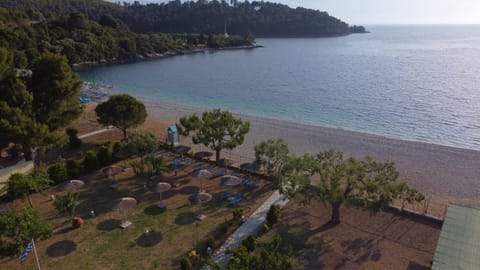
(261, 18)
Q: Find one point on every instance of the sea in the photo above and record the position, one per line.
(411, 82)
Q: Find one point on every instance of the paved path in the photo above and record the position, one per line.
(94, 132)
(250, 226)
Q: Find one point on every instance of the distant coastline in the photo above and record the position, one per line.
(166, 54)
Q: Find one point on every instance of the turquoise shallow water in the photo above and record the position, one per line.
(417, 83)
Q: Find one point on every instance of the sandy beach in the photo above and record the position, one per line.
(434, 169)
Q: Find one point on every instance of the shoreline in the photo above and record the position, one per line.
(155, 55)
(432, 168)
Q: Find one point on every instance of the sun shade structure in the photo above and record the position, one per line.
(71, 185)
(458, 245)
(160, 188)
(230, 180)
(122, 205)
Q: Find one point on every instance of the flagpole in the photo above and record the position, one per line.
(36, 255)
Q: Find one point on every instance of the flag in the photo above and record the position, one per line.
(25, 252)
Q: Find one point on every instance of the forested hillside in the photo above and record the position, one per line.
(29, 33)
(261, 18)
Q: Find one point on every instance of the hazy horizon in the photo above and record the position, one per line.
(376, 12)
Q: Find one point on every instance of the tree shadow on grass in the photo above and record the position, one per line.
(62, 248)
(149, 239)
(154, 210)
(185, 218)
(65, 230)
(108, 224)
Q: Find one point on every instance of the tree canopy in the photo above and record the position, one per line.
(216, 129)
(367, 182)
(260, 17)
(272, 154)
(28, 33)
(18, 228)
(121, 111)
(33, 116)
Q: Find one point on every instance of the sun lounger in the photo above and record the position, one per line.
(188, 163)
(234, 174)
(175, 161)
(254, 183)
(224, 195)
(245, 180)
(219, 173)
(236, 199)
(166, 154)
(200, 167)
(211, 169)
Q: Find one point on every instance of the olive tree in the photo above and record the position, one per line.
(216, 129)
(121, 111)
(367, 182)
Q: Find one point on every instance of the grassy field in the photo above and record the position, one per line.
(101, 244)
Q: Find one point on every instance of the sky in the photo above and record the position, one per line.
(391, 11)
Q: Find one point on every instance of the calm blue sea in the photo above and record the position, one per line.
(418, 83)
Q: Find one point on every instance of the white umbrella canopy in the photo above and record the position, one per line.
(230, 180)
(202, 174)
(160, 188)
(122, 205)
(112, 170)
(71, 185)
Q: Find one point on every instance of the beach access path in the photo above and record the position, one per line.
(250, 226)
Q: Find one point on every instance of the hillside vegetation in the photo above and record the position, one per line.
(261, 18)
(29, 33)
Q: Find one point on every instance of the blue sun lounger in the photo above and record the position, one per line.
(245, 179)
(224, 195)
(236, 199)
(200, 167)
(211, 169)
(219, 173)
(175, 161)
(188, 163)
(166, 154)
(234, 174)
(254, 183)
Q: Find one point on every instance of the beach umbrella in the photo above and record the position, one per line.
(203, 154)
(71, 185)
(182, 149)
(112, 170)
(160, 188)
(250, 166)
(202, 198)
(201, 174)
(230, 180)
(122, 205)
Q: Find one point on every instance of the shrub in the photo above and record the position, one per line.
(223, 229)
(66, 204)
(265, 228)
(273, 214)
(105, 154)
(58, 172)
(237, 213)
(249, 243)
(185, 263)
(117, 146)
(74, 167)
(90, 163)
(73, 141)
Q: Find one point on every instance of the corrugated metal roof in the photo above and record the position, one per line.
(458, 246)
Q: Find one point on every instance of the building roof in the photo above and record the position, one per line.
(458, 246)
(172, 129)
